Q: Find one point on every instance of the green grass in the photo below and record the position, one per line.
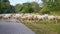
(43, 28)
(33, 28)
(55, 27)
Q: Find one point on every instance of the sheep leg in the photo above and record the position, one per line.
(56, 21)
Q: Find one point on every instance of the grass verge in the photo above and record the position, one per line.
(40, 28)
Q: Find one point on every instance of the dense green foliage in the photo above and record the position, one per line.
(5, 7)
(51, 5)
(27, 7)
(48, 6)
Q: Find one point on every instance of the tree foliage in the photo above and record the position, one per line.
(50, 6)
(27, 7)
(6, 7)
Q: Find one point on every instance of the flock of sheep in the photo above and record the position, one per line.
(35, 17)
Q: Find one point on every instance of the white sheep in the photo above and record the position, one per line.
(52, 17)
(39, 17)
(30, 17)
(24, 18)
(58, 17)
(17, 16)
(36, 17)
(27, 17)
(1, 15)
(7, 16)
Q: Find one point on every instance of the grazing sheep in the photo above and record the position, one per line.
(17, 16)
(39, 17)
(1, 16)
(30, 17)
(24, 18)
(58, 18)
(52, 18)
(7, 16)
(35, 17)
(42, 17)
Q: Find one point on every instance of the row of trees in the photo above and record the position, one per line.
(48, 6)
(51, 6)
(5, 7)
(28, 7)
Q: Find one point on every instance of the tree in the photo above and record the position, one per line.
(51, 5)
(27, 7)
(6, 7)
(35, 6)
(18, 8)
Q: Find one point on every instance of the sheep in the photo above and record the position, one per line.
(27, 17)
(58, 18)
(30, 17)
(7, 16)
(41, 17)
(24, 18)
(35, 17)
(51, 17)
(17, 16)
(46, 15)
(38, 17)
(1, 16)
